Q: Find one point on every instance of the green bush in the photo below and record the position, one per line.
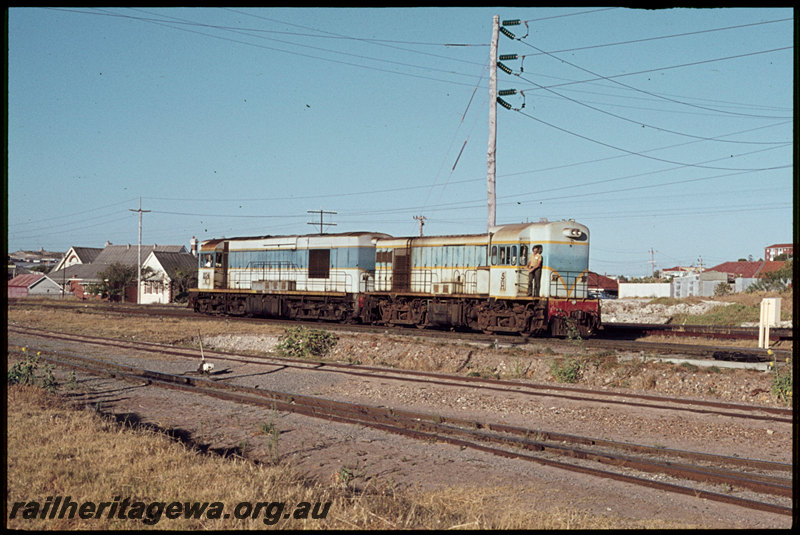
(566, 370)
(782, 384)
(24, 373)
(300, 342)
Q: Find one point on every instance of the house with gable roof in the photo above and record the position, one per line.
(166, 268)
(81, 266)
(33, 285)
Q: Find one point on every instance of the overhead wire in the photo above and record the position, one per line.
(599, 78)
(612, 78)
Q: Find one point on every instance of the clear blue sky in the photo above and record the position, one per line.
(665, 130)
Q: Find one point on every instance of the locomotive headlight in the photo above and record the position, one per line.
(573, 233)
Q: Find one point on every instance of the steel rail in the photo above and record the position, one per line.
(751, 354)
(408, 423)
(695, 406)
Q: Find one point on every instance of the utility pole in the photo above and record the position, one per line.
(492, 153)
(421, 219)
(321, 223)
(652, 262)
(139, 266)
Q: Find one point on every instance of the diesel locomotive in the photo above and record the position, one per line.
(476, 281)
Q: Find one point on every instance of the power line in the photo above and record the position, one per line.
(612, 78)
(646, 39)
(644, 124)
(581, 136)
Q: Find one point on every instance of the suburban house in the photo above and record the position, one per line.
(166, 267)
(78, 255)
(772, 251)
(33, 285)
(81, 266)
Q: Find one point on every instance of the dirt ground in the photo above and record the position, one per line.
(370, 458)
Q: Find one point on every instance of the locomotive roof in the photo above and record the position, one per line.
(316, 235)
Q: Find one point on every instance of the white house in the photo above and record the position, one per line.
(159, 287)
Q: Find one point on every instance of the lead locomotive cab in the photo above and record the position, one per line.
(213, 269)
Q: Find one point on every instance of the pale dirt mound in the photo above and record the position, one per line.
(642, 311)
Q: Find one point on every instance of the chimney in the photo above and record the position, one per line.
(193, 246)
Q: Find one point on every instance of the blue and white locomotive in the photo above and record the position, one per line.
(476, 281)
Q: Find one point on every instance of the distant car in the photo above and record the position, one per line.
(601, 295)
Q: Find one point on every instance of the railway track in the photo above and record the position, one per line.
(735, 410)
(619, 337)
(750, 483)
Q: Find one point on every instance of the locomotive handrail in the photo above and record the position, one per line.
(565, 284)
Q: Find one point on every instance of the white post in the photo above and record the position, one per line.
(139, 265)
(492, 156)
(770, 316)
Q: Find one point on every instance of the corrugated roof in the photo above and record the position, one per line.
(129, 254)
(171, 262)
(87, 255)
(26, 280)
(84, 272)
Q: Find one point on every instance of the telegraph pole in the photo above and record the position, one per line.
(421, 219)
(321, 213)
(652, 262)
(492, 153)
(139, 266)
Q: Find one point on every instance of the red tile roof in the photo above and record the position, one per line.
(747, 270)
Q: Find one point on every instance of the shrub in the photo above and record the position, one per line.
(299, 342)
(566, 370)
(24, 373)
(782, 384)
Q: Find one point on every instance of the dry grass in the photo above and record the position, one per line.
(58, 450)
(90, 319)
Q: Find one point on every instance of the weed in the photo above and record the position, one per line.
(689, 367)
(486, 373)
(24, 373)
(518, 370)
(345, 475)
(300, 342)
(573, 333)
(267, 427)
(782, 384)
(650, 382)
(566, 370)
(72, 380)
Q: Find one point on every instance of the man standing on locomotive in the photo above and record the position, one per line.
(534, 268)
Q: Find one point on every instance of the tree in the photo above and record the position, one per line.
(115, 278)
(723, 288)
(182, 281)
(775, 281)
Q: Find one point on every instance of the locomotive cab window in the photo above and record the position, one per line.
(319, 263)
(523, 255)
(494, 255)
